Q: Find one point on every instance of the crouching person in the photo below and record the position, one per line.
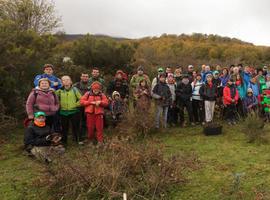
(40, 142)
(94, 102)
(163, 97)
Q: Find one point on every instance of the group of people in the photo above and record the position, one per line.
(54, 104)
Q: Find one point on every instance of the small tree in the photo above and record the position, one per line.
(37, 15)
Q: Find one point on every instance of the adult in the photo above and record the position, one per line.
(207, 71)
(96, 77)
(43, 98)
(156, 79)
(69, 98)
(55, 82)
(40, 141)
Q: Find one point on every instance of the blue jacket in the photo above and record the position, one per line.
(224, 80)
(255, 88)
(204, 74)
(246, 77)
(52, 78)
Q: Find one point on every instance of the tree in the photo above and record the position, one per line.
(37, 15)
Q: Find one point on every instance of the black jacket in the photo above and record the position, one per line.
(120, 86)
(183, 92)
(36, 136)
(162, 93)
(208, 93)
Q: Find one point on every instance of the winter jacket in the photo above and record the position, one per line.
(69, 99)
(135, 80)
(230, 93)
(162, 94)
(246, 78)
(204, 75)
(208, 92)
(120, 86)
(250, 101)
(241, 89)
(224, 80)
(36, 136)
(266, 104)
(39, 100)
(90, 97)
(52, 78)
(255, 88)
(261, 83)
(196, 85)
(183, 92)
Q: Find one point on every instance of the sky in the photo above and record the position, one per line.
(248, 20)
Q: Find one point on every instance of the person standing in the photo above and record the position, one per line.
(197, 101)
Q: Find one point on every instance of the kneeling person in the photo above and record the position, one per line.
(39, 141)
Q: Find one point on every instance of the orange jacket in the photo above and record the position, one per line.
(89, 98)
(227, 98)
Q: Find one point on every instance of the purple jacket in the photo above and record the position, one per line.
(39, 100)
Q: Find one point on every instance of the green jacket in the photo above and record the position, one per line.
(135, 80)
(266, 104)
(69, 100)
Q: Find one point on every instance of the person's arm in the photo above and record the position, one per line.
(236, 95)
(84, 100)
(36, 80)
(104, 101)
(78, 97)
(30, 105)
(154, 93)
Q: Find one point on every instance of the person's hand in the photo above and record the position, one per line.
(98, 103)
(56, 139)
(233, 100)
(30, 116)
(55, 83)
(110, 98)
(145, 92)
(250, 106)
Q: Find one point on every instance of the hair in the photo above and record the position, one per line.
(95, 68)
(48, 66)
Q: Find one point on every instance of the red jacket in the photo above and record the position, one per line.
(89, 98)
(227, 96)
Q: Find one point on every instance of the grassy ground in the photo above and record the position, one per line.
(231, 168)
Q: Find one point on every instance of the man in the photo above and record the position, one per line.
(39, 141)
(120, 85)
(96, 77)
(156, 79)
(83, 86)
(207, 71)
(48, 73)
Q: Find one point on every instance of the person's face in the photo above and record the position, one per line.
(238, 77)
(224, 71)
(177, 73)
(190, 69)
(209, 79)
(235, 70)
(198, 78)
(96, 91)
(168, 70)
(260, 73)
(119, 76)
(207, 68)
(140, 72)
(40, 118)
(268, 78)
(194, 73)
(44, 85)
(230, 82)
(253, 80)
(203, 67)
(162, 79)
(249, 94)
(95, 73)
(84, 78)
(216, 75)
(218, 68)
(143, 84)
(48, 70)
(170, 78)
(66, 81)
(117, 97)
(246, 69)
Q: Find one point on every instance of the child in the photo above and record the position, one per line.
(184, 96)
(162, 94)
(254, 86)
(95, 102)
(143, 96)
(208, 91)
(230, 99)
(250, 102)
(197, 101)
(118, 107)
(266, 105)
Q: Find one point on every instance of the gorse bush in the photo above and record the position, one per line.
(140, 170)
(254, 129)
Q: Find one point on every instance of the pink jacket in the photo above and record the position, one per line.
(39, 100)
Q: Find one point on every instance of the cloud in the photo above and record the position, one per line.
(243, 19)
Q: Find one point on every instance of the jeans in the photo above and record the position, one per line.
(164, 111)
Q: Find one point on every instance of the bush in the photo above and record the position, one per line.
(254, 129)
(140, 170)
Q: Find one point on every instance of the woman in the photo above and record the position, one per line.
(197, 101)
(69, 97)
(240, 85)
(44, 99)
(143, 96)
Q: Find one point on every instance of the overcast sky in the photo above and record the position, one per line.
(248, 20)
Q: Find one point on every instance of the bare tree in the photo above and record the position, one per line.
(37, 15)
